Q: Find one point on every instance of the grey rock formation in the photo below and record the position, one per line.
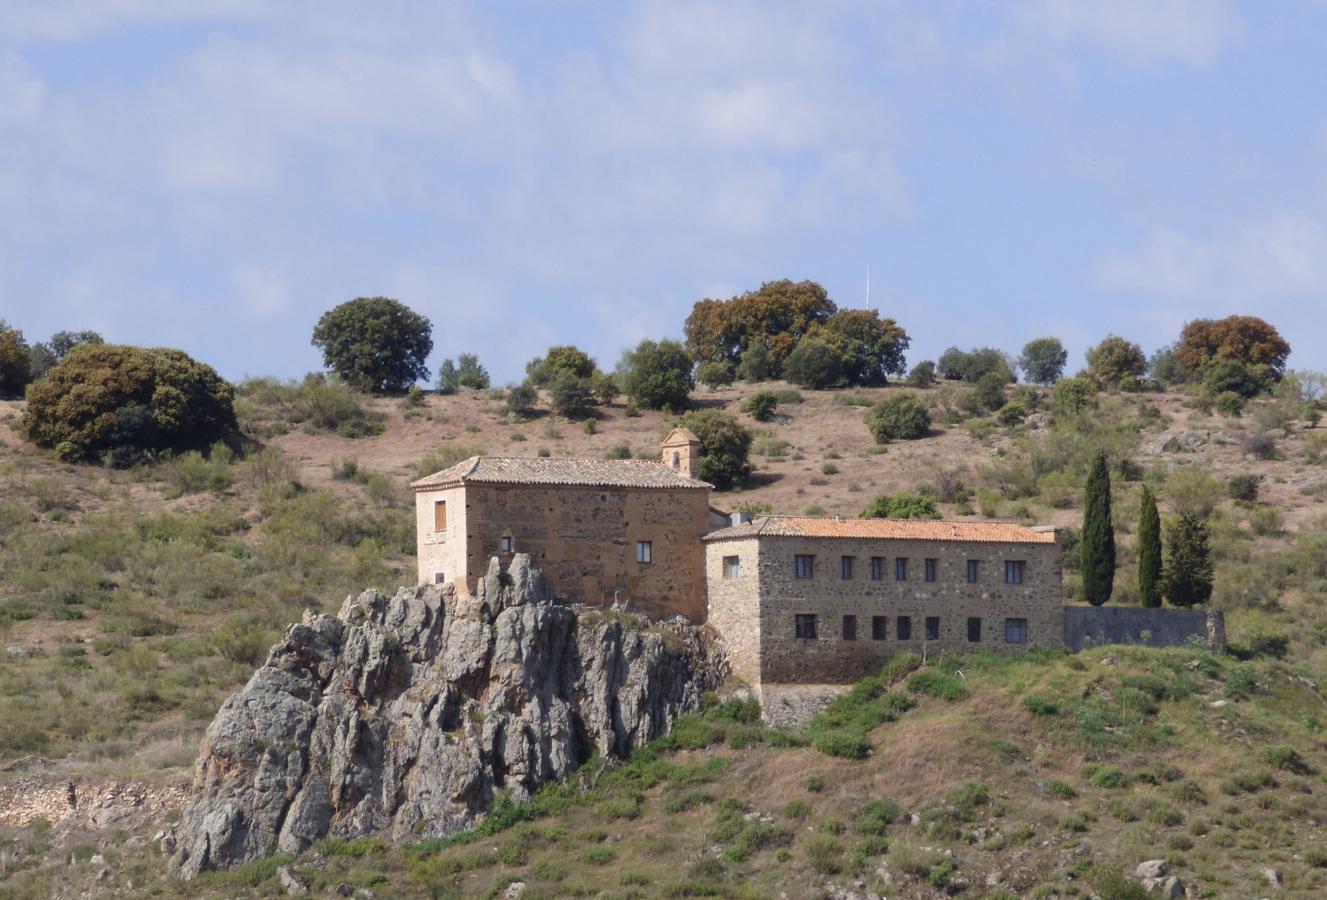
(405, 716)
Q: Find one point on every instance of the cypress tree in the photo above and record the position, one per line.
(1098, 543)
(1149, 550)
(1189, 569)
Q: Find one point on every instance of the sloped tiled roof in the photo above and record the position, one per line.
(679, 435)
(638, 473)
(887, 529)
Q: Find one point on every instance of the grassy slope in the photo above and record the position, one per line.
(134, 608)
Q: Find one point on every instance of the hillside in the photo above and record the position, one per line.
(132, 602)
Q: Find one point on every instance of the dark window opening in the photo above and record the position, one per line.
(877, 568)
(439, 577)
(732, 567)
(974, 630)
(846, 563)
(929, 570)
(504, 544)
(644, 552)
(1015, 631)
(904, 629)
(933, 628)
(850, 628)
(900, 569)
(804, 566)
(805, 625)
(878, 626)
(1013, 571)
(974, 567)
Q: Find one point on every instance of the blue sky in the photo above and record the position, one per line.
(213, 174)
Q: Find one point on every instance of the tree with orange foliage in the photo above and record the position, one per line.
(1244, 339)
(778, 315)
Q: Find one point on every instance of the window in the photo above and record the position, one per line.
(644, 552)
(850, 628)
(933, 628)
(439, 577)
(974, 567)
(974, 630)
(900, 569)
(1015, 631)
(504, 544)
(732, 567)
(928, 570)
(677, 460)
(847, 567)
(439, 515)
(804, 566)
(805, 624)
(878, 626)
(904, 630)
(1013, 571)
(877, 568)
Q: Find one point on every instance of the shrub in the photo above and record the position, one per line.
(1259, 445)
(1061, 791)
(465, 372)
(715, 374)
(874, 816)
(761, 405)
(618, 451)
(816, 363)
(969, 366)
(121, 405)
(375, 344)
(560, 360)
(657, 375)
(1266, 520)
(1188, 568)
(1039, 705)
(1105, 776)
(754, 364)
(604, 387)
(15, 361)
(725, 445)
(329, 404)
(903, 505)
(1244, 487)
(937, 683)
(901, 417)
(521, 400)
(989, 391)
(922, 374)
(1116, 362)
(190, 473)
(1043, 360)
(1289, 759)
(842, 743)
(1247, 340)
(571, 396)
(1012, 413)
(1072, 396)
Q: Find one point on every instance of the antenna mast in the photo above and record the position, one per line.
(868, 286)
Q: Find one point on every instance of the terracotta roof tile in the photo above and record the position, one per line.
(885, 529)
(640, 473)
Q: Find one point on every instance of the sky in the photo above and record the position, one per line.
(214, 174)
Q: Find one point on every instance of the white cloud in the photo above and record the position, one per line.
(22, 93)
(66, 20)
(1186, 31)
(263, 295)
(1279, 256)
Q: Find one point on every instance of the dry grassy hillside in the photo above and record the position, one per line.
(132, 602)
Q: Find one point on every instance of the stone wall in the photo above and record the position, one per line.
(830, 658)
(440, 553)
(1094, 625)
(734, 604)
(583, 539)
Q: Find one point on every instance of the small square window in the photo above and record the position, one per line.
(879, 625)
(804, 566)
(933, 628)
(974, 630)
(850, 628)
(900, 569)
(644, 552)
(504, 544)
(974, 570)
(1013, 571)
(846, 567)
(1015, 631)
(732, 567)
(805, 625)
(904, 630)
(439, 577)
(877, 568)
(928, 570)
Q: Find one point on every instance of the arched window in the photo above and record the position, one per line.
(677, 460)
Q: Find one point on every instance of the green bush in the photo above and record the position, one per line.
(922, 374)
(715, 374)
(15, 361)
(761, 406)
(903, 505)
(657, 375)
(816, 363)
(1244, 487)
(937, 683)
(376, 344)
(725, 445)
(1061, 791)
(571, 396)
(521, 400)
(1039, 705)
(875, 816)
(121, 405)
(898, 418)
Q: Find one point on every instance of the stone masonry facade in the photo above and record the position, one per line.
(864, 611)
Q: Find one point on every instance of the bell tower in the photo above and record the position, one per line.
(681, 452)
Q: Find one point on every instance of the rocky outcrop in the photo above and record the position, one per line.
(403, 716)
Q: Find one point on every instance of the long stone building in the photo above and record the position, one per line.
(797, 599)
